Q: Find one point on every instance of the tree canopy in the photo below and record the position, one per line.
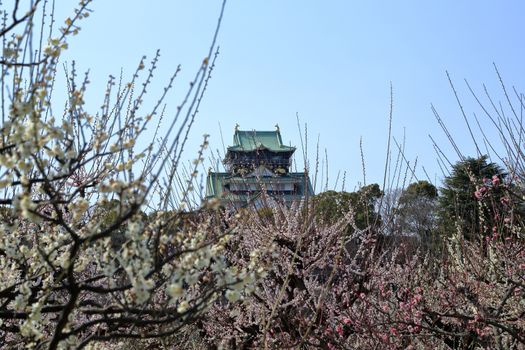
(331, 206)
(417, 209)
(461, 191)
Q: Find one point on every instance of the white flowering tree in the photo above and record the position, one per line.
(90, 250)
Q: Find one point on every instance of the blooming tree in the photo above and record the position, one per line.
(89, 246)
(343, 283)
(94, 248)
(333, 288)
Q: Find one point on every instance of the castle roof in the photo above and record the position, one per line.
(249, 141)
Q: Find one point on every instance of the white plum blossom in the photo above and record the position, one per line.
(93, 245)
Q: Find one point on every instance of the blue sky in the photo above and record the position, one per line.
(331, 62)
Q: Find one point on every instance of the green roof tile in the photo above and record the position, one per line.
(248, 141)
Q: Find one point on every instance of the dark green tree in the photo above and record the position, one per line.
(331, 206)
(459, 200)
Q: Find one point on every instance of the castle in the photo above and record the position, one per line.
(258, 163)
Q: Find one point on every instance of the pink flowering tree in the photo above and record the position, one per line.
(317, 268)
(332, 287)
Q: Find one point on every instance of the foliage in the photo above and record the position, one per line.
(417, 209)
(460, 194)
(331, 206)
(421, 188)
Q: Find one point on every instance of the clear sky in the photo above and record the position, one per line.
(329, 61)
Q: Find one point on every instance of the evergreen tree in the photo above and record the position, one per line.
(458, 201)
(331, 206)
